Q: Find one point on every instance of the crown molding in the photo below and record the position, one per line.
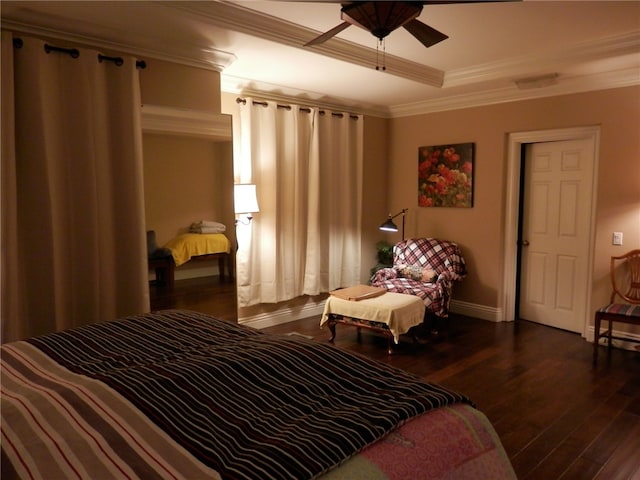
(235, 85)
(611, 47)
(213, 59)
(566, 85)
(186, 122)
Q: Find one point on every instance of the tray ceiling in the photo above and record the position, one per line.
(496, 52)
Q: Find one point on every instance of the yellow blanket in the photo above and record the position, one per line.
(188, 245)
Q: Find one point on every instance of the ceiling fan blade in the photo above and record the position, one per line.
(424, 33)
(447, 2)
(327, 35)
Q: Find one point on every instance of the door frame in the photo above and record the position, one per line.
(512, 207)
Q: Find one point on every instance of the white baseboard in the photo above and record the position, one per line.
(284, 315)
(483, 312)
(184, 273)
(195, 272)
(311, 309)
(623, 341)
(493, 314)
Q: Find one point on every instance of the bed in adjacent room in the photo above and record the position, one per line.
(179, 394)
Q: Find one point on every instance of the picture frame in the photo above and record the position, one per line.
(445, 175)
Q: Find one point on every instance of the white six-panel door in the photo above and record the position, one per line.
(555, 235)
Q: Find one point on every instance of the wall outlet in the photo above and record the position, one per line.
(617, 238)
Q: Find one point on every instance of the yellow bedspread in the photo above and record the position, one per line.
(188, 245)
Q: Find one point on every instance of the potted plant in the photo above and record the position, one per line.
(385, 256)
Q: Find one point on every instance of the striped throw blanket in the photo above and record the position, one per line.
(246, 404)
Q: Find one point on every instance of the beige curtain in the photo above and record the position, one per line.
(307, 167)
(340, 204)
(73, 240)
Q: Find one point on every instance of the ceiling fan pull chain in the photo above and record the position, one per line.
(384, 59)
(384, 54)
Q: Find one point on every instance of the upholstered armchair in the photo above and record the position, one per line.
(426, 267)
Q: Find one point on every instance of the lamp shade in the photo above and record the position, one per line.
(245, 199)
(389, 226)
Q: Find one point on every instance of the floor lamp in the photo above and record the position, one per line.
(245, 202)
(389, 226)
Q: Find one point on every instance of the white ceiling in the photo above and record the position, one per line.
(258, 47)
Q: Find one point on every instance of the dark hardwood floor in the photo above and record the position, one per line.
(207, 295)
(558, 417)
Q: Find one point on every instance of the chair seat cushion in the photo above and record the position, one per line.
(625, 309)
(417, 272)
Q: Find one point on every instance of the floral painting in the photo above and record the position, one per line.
(445, 175)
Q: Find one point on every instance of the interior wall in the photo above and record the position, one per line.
(391, 154)
(181, 86)
(187, 178)
(375, 199)
(479, 230)
(182, 184)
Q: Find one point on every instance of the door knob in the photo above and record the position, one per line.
(524, 243)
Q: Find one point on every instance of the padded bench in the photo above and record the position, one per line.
(391, 314)
(163, 261)
(164, 267)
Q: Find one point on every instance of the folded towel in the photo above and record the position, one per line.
(207, 227)
(207, 223)
(207, 230)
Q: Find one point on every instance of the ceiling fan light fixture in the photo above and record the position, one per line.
(380, 18)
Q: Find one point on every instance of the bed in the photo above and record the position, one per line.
(179, 394)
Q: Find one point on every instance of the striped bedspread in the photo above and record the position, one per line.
(218, 400)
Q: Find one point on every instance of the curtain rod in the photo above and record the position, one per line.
(288, 107)
(75, 53)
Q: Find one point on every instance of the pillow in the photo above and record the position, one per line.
(429, 275)
(418, 273)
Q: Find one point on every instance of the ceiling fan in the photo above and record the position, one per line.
(382, 18)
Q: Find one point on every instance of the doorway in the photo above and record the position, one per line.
(545, 274)
(554, 240)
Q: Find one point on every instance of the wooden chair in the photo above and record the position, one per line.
(625, 279)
